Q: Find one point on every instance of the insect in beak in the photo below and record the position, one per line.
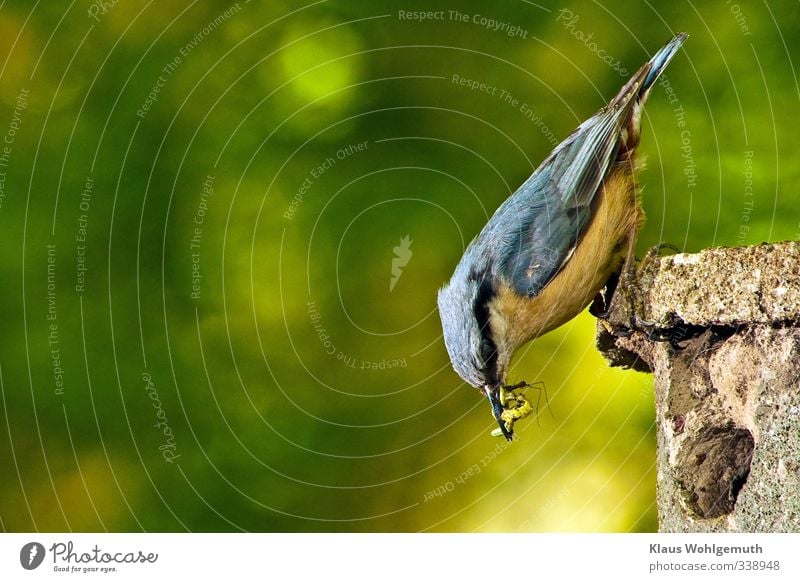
(496, 397)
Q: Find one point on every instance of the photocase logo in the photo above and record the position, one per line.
(31, 555)
(402, 254)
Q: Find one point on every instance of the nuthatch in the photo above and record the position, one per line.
(552, 246)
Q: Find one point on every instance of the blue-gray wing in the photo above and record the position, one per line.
(542, 223)
(549, 213)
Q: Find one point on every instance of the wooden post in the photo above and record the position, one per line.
(724, 349)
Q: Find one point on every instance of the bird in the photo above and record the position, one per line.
(552, 245)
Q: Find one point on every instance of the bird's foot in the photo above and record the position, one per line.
(625, 287)
(655, 250)
(630, 320)
(636, 304)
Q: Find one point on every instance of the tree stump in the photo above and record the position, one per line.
(724, 348)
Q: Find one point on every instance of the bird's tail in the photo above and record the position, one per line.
(659, 62)
(638, 86)
(628, 103)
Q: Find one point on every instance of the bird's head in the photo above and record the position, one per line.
(477, 354)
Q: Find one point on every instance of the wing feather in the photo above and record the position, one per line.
(554, 205)
(535, 232)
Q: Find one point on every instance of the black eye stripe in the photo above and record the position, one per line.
(488, 349)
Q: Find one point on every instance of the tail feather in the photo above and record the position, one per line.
(660, 61)
(638, 86)
(630, 100)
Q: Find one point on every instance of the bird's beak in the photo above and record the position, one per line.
(493, 394)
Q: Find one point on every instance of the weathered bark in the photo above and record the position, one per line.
(724, 348)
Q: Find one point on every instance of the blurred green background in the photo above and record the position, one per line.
(215, 340)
